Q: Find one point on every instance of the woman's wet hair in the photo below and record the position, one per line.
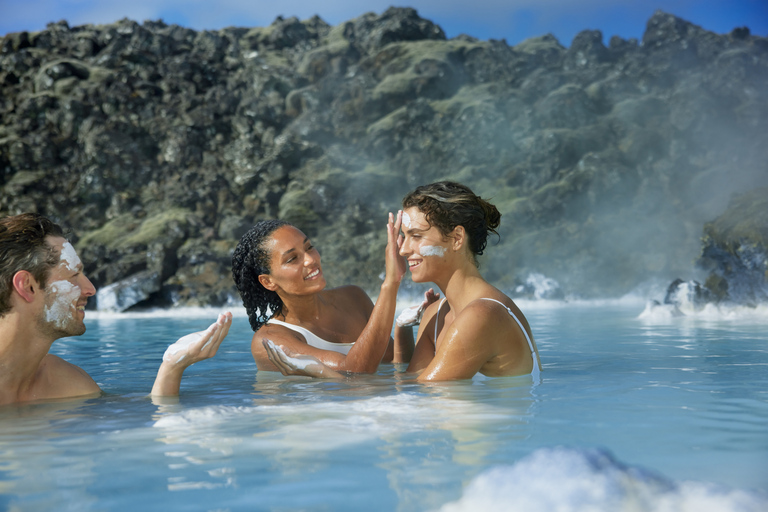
(249, 261)
(447, 204)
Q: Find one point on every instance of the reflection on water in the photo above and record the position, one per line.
(298, 426)
(683, 398)
(30, 471)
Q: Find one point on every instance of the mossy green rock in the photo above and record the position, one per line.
(735, 250)
(158, 145)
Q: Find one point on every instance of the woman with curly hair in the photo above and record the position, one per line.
(476, 328)
(278, 274)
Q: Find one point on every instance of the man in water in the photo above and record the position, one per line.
(43, 293)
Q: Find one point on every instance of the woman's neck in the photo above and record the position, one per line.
(302, 309)
(463, 286)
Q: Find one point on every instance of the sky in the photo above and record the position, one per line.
(512, 20)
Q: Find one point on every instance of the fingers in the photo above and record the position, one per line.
(223, 323)
(394, 223)
(212, 337)
(430, 296)
(390, 229)
(273, 352)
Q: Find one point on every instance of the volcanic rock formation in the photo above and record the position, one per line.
(159, 145)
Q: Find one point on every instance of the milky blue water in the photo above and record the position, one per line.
(638, 414)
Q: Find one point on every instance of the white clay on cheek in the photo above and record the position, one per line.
(432, 250)
(69, 256)
(406, 220)
(63, 294)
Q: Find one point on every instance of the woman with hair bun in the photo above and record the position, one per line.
(476, 328)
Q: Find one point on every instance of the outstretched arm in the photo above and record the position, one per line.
(185, 352)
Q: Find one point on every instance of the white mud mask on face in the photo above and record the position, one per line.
(432, 250)
(64, 297)
(406, 220)
(69, 256)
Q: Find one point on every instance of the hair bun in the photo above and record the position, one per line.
(492, 215)
(447, 204)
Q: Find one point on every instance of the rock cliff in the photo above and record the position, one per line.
(159, 145)
(735, 251)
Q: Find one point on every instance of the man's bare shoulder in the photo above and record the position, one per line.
(59, 378)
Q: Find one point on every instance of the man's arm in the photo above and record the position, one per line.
(187, 351)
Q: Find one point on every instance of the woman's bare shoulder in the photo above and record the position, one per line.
(350, 296)
(347, 290)
(276, 332)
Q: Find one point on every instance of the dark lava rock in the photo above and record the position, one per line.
(690, 294)
(158, 146)
(735, 250)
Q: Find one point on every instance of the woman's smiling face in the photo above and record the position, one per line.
(294, 262)
(424, 246)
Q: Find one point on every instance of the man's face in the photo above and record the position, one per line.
(66, 293)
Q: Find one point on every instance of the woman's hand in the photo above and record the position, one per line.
(396, 265)
(412, 316)
(290, 364)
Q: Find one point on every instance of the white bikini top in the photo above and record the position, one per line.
(314, 340)
(536, 371)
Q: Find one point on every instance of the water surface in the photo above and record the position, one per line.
(631, 413)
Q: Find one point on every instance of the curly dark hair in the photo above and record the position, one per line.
(23, 246)
(447, 204)
(249, 261)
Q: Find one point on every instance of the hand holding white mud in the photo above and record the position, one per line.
(304, 365)
(195, 343)
(412, 316)
(187, 351)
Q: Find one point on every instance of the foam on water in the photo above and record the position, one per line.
(573, 480)
(202, 417)
(315, 426)
(664, 313)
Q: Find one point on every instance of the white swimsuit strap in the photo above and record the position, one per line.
(313, 339)
(536, 370)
